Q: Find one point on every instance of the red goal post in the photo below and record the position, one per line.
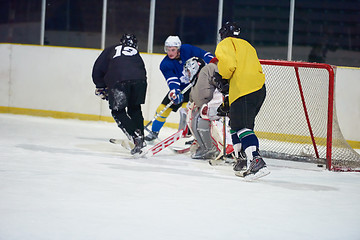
(298, 119)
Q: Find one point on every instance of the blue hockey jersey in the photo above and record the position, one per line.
(172, 69)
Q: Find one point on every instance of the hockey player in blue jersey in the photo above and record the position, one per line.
(172, 69)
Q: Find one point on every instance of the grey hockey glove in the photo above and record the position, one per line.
(102, 93)
(221, 84)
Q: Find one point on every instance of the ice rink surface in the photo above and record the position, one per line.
(62, 179)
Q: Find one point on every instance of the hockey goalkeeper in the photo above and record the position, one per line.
(205, 99)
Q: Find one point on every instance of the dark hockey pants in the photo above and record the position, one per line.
(125, 101)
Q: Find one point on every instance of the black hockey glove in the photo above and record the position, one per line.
(102, 93)
(224, 109)
(221, 84)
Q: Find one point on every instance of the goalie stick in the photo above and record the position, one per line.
(224, 149)
(166, 143)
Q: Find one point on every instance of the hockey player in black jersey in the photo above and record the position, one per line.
(119, 75)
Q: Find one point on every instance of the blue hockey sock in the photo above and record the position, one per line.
(248, 139)
(157, 125)
(235, 138)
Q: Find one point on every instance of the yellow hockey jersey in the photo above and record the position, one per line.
(239, 63)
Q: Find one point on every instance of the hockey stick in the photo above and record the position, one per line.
(128, 145)
(224, 136)
(166, 107)
(166, 143)
(222, 159)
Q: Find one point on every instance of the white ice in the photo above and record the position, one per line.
(62, 179)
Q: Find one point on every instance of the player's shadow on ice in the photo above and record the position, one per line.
(298, 186)
(96, 150)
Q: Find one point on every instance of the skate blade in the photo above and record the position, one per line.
(261, 173)
(127, 144)
(216, 162)
(230, 161)
(144, 153)
(141, 154)
(240, 173)
(221, 160)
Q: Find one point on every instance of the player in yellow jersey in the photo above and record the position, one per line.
(242, 80)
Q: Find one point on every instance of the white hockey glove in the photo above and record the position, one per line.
(102, 93)
(176, 96)
(204, 111)
(208, 112)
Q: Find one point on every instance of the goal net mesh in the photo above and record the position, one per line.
(282, 124)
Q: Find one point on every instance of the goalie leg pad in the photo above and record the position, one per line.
(202, 134)
(182, 123)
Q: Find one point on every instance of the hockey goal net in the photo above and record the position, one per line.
(298, 118)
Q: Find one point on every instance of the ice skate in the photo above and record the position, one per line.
(139, 143)
(257, 169)
(204, 154)
(198, 154)
(151, 136)
(241, 164)
(240, 167)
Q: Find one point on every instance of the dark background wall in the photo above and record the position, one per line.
(324, 30)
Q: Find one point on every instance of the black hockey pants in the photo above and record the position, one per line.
(244, 110)
(125, 100)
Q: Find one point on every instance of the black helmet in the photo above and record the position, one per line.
(129, 40)
(230, 29)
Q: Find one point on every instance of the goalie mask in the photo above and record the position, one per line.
(192, 67)
(230, 29)
(129, 40)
